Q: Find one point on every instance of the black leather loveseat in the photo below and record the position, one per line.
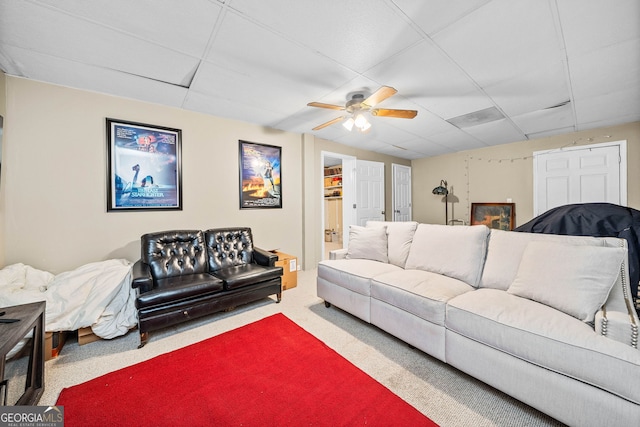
(184, 274)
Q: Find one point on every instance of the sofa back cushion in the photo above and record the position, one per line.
(229, 247)
(367, 243)
(174, 253)
(573, 279)
(505, 251)
(455, 251)
(399, 238)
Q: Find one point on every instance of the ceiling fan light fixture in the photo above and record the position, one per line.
(348, 124)
(361, 121)
(365, 127)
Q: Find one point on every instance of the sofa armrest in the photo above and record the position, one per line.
(617, 326)
(338, 254)
(263, 257)
(617, 319)
(141, 278)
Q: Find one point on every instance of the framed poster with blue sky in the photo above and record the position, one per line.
(144, 167)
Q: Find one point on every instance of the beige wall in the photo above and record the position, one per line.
(494, 174)
(314, 198)
(55, 178)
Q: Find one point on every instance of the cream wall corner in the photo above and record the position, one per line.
(494, 174)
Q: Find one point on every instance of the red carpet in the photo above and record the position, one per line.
(268, 373)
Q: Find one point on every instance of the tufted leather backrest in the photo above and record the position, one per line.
(174, 253)
(228, 247)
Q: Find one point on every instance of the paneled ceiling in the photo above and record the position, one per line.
(543, 67)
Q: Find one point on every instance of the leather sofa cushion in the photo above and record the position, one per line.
(546, 337)
(229, 247)
(174, 253)
(176, 288)
(246, 274)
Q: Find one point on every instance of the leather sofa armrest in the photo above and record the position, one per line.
(264, 257)
(141, 277)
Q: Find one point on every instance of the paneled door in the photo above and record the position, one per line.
(370, 191)
(583, 174)
(401, 192)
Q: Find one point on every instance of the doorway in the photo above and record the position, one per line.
(338, 204)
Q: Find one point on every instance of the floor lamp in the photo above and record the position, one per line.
(442, 190)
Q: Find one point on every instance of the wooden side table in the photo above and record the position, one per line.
(30, 319)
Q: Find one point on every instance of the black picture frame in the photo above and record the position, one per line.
(260, 168)
(144, 167)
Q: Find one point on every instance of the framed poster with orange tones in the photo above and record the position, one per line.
(500, 216)
(260, 175)
(144, 167)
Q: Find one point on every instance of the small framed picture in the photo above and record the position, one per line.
(260, 175)
(500, 216)
(144, 167)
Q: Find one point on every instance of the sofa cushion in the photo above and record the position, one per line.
(573, 279)
(176, 288)
(505, 250)
(246, 274)
(421, 293)
(399, 238)
(174, 253)
(353, 274)
(546, 337)
(367, 243)
(455, 251)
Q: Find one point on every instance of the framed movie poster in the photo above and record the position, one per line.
(144, 167)
(494, 215)
(260, 176)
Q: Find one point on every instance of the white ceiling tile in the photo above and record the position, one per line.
(166, 28)
(502, 39)
(236, 109)
(542, 87)
(457, 140)
(348, 32)
(547, 119)
(427, 77)
(620, 105)
(98, 79)
(591, 25)
(600, 72)
(432, 16)
(56, 34)
(494, 133)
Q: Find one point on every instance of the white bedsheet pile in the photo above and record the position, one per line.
(96, 295)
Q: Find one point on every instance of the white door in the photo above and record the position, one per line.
(401, 192)
(369, 191)
(584, 174)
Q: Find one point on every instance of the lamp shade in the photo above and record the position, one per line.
(441, 189)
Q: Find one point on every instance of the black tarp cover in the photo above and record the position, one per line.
(597, 220)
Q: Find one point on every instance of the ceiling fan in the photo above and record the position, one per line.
(358, 104)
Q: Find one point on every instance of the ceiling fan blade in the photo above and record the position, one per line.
(378, 96)
(401, 114)
(322, 105)
(329, 123)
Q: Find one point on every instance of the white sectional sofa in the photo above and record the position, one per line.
(547, 319)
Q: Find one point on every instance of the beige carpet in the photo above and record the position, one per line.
(447, 396)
